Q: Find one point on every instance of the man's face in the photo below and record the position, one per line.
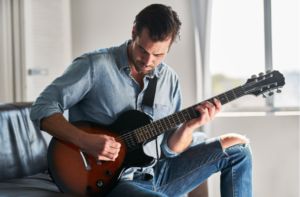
(145, 54)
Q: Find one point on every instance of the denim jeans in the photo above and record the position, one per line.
(181, 174)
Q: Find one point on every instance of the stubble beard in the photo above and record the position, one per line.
(138, 69)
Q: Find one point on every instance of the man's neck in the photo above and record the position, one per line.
(137, 76)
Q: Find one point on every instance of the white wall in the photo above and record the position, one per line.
(98, 24)
(274, 141)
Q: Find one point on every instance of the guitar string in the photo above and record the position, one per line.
(181, 119)
(145, 127)
(230, 98)
(130, 135)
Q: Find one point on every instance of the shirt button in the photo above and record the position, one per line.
(138, 98)
(127, 68)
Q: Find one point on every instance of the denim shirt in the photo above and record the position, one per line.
(98, 87)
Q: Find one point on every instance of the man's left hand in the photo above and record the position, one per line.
(207, 111)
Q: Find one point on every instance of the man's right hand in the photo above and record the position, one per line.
(101, 147)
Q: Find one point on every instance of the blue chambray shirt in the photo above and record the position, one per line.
(98, 87)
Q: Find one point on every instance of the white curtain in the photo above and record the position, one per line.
(12, 83)
(201, 11)
(6, 57)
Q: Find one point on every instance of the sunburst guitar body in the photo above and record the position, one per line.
(76, 172)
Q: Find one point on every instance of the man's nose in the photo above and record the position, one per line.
(147, 59)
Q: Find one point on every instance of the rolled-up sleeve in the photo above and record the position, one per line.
(65, 91)
(176, 107)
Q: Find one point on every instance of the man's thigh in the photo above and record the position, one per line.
(183, 173)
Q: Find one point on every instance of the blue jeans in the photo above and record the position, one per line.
(179, 175)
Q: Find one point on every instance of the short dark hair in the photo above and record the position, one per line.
(160, 20)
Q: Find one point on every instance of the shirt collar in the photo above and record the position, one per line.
(124, 63)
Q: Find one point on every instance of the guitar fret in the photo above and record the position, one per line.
(226, 97)
(233, 93)
(163, 120)
(174, 122)
(178, 117)
(159, 126)
(152, 130)
(169, 124)
(148, 131)
(156, 128)
(188, 113)
(141, 134)
(240, 91)
(145, 132)
(137, 136)
(163, 124)
(183, 116)
(221, 99)
(230, 96)
(194, 112)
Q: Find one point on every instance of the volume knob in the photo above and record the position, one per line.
(107, 173)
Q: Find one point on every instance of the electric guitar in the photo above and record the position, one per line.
(76, 172)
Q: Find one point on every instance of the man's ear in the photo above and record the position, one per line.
(133, 32)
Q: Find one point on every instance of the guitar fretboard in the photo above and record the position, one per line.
(160, 126)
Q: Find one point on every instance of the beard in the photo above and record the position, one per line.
(136, 62)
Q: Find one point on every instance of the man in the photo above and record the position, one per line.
(99, 86)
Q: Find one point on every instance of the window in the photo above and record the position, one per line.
(285, 36)
(238, 49)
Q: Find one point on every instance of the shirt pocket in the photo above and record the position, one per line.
(160, 111)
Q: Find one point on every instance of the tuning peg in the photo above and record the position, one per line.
(264, 96)
(278, 91)
(268, 71)
(271, 93)
(261, 74)
(253, 76)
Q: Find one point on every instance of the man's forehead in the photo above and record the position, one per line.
(147, 44)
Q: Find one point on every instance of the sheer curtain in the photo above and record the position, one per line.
(201, 11)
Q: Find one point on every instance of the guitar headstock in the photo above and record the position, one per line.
(264, 83)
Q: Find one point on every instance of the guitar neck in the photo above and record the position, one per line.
(162, 125)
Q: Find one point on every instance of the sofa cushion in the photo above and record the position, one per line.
(40, 185)
(23, 147)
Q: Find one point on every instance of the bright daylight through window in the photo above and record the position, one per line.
(238, 49)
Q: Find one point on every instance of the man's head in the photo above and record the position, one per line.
(161, 22)
(156, 28)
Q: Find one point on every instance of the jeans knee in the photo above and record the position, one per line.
(232, 139)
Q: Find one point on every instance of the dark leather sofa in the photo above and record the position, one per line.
(23, 156)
